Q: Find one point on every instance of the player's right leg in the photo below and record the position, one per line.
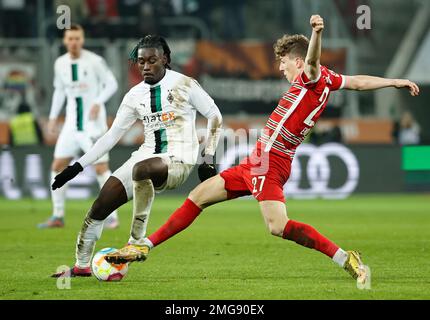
(204, 195)
(275, 217)
(111, 197)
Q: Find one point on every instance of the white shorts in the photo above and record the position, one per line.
(178, 171)
(71, 144)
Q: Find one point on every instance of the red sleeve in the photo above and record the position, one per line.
(337, 81)
(310, 83)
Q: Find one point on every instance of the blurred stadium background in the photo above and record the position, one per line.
(372, 148)
(366, 142)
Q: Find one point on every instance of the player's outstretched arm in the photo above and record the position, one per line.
(364, 82)
(102, 146)
(312, 61)
(124, 120)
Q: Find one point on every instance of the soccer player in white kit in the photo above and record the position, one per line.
(166, 102)
(84, 79)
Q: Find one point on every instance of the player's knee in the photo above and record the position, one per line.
(198, 198)
(147, 169)
(141, 171)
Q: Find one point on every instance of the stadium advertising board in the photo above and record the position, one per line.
(329, 170)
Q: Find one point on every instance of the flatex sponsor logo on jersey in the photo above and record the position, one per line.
(79, 87)
(159, 120)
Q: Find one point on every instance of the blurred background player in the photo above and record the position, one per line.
(84, 79)
(264, 173)
(166, 102)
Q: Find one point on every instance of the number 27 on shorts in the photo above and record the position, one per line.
(258, 183)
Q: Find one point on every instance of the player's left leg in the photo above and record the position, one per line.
(112, 195)
(276, 219)
(147, 175)
(207, 193)
(103, 173)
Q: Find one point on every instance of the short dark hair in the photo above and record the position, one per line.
(74, 27)
(296, 45)
(151, 41)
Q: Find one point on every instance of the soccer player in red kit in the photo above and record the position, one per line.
(264, 173)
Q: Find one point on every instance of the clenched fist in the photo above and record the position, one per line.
(317, 23)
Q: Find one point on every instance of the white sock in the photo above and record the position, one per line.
(148, 243)
(91, 231)
(340, 257)
(101, 179)
(143, 196)
(58, 197)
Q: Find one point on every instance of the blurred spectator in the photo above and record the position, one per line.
(148, 23)
(14, 21)
(233, 19)
(409, 130)
(128, 8)
(164, 8)
(24, 128)
(128, 11)
(184, 7)
(103, 18)
(102, 10)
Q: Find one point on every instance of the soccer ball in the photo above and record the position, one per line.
(106, 271)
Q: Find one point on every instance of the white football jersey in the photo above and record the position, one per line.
(83, 82)
(168, 112)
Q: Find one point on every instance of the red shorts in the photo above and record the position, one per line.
(248, 179)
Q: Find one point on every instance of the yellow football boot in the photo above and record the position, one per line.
(355, 267)
(129, 253)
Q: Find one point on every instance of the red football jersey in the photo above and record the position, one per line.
(297, 111)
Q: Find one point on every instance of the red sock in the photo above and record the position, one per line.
(307, 236)
(177, 222)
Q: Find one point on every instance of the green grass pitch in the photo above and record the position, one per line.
(227, 253)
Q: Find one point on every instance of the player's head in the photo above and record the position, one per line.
(291, 51)
(73, 39)
(152, 55)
